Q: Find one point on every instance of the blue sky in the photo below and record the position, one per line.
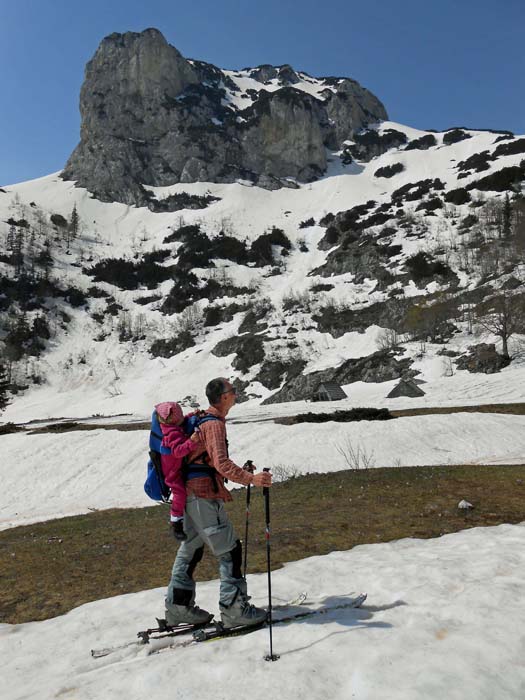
(433, 65)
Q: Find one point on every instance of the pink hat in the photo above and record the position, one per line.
(167, 408)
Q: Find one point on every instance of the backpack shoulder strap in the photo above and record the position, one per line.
(206, 418)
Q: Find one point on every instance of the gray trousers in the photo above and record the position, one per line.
(206, 522)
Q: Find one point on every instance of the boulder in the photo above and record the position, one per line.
(482, 358)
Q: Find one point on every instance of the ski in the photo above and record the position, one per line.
(163, 630)
(220, 632)
(215, 630)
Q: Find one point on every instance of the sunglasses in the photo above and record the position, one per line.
(233, 390)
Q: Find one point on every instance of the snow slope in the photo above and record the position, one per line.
(443, 619)
(84, 375)
(54, 475)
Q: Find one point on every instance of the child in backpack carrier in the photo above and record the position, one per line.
(171, 420)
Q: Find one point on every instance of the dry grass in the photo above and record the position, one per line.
(68, 426)
(516, 409)
(49, 568)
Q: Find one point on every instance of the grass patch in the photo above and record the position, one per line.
(515, 409)
(354, 414)
(49, 568)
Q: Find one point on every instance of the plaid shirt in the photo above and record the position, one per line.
(213, 436)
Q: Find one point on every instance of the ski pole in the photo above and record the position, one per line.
(266, 492)
(248, 465)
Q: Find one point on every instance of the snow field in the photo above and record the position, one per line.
(53, 475)
(435, 625)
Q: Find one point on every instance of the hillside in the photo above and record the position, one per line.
(269, 287)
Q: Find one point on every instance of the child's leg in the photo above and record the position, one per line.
(178, 502)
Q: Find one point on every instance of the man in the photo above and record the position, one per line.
(206, 522)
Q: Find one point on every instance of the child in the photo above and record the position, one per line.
(173, 436)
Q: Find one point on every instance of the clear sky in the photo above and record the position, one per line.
(434, 64)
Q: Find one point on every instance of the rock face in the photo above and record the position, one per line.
(483, 358)
(151, 117)
(381, 366)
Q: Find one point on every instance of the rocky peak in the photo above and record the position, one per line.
(152, 117)
(137, 65)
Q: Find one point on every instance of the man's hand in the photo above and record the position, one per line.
(195, 436)
(262, 479)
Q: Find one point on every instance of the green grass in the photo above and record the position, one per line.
(49, 568)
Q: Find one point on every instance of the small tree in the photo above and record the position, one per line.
(17, 257)
(44, 259)
(387, 339)
(11, 238)
(41, 222)
(73, 226)
(506, 224)
(4, 386)
(503, 315)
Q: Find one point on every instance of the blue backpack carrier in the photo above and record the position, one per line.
(155, 485)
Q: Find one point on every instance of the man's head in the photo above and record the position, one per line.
(221, 394)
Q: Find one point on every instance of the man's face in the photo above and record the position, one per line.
(228, 397)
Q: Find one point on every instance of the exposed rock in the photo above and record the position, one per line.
(273, 372)
(172, 346)
(381, 366)
(248, 349)
(351, 105)
(240, 387)
(359, 255)
(151, 117)
(483, 358)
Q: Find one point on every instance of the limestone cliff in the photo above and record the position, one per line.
(152, 117)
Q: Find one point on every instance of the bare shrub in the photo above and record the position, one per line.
(387, 339)
(355, 457)
(282, 472)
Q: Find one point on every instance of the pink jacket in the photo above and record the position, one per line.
(174, 437)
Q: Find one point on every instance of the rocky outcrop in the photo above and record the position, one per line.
(381, 366)
(349, 106)
(152, 118)
(483, 358)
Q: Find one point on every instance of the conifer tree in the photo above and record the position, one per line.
(73, 226)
